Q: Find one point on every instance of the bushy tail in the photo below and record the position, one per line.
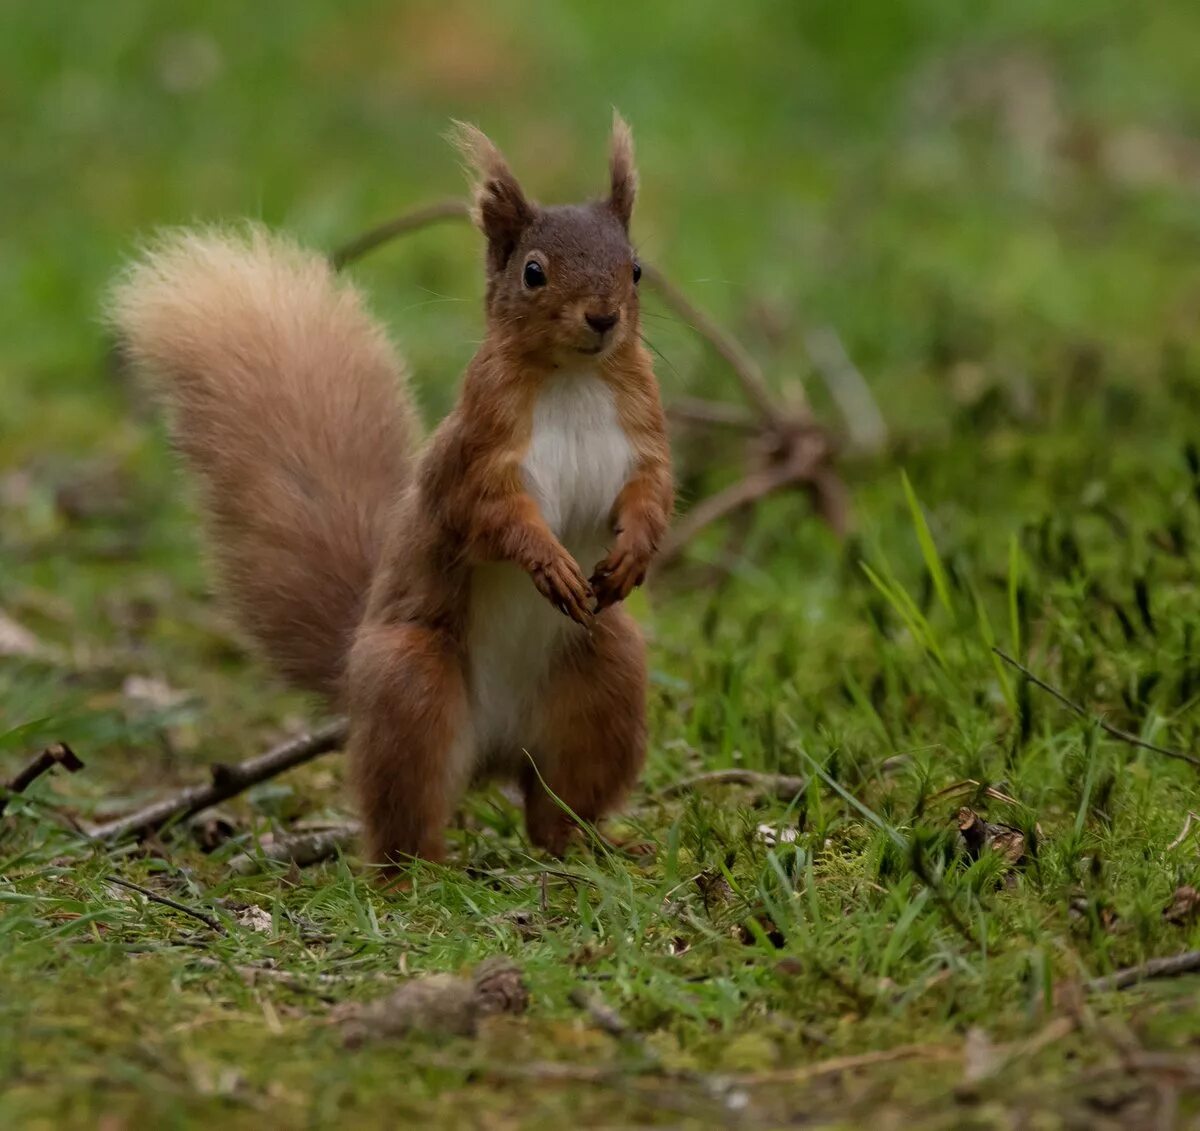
(288, 403)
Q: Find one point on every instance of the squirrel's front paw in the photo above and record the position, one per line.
(621, 572)
(561, 582)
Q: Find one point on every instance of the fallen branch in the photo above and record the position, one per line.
(227, 781)
(1172, 967)
(60, 754)
(1112, 731)
(166, 901)
(301, 849)
(807, 464)
(784, 786)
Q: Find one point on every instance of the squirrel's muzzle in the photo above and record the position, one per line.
(602, 323)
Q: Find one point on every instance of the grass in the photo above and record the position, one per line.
(995, 207)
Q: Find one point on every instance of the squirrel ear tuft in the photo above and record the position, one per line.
(622, 170)
(499, 208)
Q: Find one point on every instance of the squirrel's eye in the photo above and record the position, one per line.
(637, 272)
(535, 275)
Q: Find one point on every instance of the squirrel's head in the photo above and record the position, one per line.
(562, 280)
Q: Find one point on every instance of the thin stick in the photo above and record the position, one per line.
(735, 355)
(693, 410)
(60, 754)
(1108, 728)
(602, 1015)
(227, 781)
(804, 466)
(1187, 828)
(207, 920)
(408, 222)
(301, 849)
(780, 785)
(1171, 967)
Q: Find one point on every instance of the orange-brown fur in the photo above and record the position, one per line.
(365, 573)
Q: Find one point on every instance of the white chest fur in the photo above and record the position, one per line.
(578, 457)
(577, 462)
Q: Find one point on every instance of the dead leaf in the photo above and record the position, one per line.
(978, 834)
(1185, 906)
(772, 837)
(714, 889)
(1081, 908)
(747, 935)
(522, 920)
(255, 918)
(440, 1004)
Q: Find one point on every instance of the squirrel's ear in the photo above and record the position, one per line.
(499, 208)
(622, 170)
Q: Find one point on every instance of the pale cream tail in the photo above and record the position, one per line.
(289, 404)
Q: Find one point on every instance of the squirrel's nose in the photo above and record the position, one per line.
(602, 323)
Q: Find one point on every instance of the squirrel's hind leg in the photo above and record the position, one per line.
(590, 734)
(410, 744)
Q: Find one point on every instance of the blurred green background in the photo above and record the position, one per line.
(1017, 176)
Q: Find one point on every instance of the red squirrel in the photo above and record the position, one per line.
(461, 598)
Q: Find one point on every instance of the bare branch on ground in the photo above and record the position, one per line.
(227, 781)
(59, 754)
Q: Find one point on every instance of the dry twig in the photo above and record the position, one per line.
(227, 781)
(1112, 731)
(1187, 828)
(784, 786)
(805, 462)
(60, 754)
(166, 901)
(1186, 963)
(735, 355)
(301, 849)
(401, 225)
(602, 1015)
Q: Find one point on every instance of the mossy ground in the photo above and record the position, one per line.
(995, 206)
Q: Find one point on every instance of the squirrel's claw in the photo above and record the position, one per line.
(563, 585)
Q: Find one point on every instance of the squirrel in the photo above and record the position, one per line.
(460, 598)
